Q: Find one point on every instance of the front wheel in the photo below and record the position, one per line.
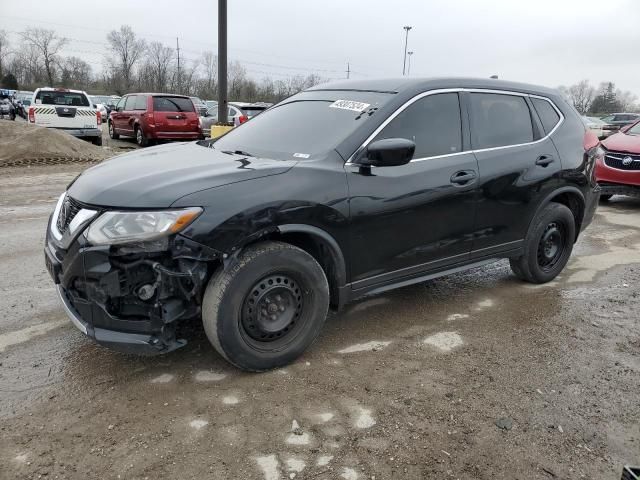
(267, 308)
(547, 246)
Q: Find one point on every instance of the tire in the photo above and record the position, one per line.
(605, 198)
(97, 141)
(112, 132)
(266, 276)
(547, 246)
(141, 139)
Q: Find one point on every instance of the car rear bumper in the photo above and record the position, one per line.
(176, 135)
(81, 132)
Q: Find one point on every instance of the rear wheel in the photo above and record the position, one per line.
(112, 132)
(141, 139)
(605, 198)
(547, 246)
(266, 309)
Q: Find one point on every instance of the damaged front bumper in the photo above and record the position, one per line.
(131, 297)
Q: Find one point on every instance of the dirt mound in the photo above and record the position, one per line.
(25, 144)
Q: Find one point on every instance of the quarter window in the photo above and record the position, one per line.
(548, 115)
(499, 120)
(433, 123)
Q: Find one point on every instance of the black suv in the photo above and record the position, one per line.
(340, 191)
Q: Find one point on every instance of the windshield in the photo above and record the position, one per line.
(73, 99)
(635, 130)
(305, 128)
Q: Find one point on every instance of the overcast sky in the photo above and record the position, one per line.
(549, 42)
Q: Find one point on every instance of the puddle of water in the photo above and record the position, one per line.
(269, 466)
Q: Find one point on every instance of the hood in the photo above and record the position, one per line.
(621, 142)
(157, 177)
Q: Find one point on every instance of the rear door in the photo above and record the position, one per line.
(175, 114)
(518, 164)
(65, 110)
(127, 116)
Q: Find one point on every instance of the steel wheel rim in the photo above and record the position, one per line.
(139, 136)
(551, 246)
(272, 312)
(111, 129)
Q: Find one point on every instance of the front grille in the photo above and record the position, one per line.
(68, 211)
(622, 161)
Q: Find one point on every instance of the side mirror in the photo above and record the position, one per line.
(119, 109)
(390, 152)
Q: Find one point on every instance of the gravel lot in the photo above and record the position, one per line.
(475, 375)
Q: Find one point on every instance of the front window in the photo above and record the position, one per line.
(304, 128)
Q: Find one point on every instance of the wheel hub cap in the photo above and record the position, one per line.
(272, 308)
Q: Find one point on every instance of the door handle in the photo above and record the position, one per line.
(544, 160)
(463, 177)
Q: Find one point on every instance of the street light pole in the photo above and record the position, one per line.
(409, 67)
(406, 41)
(222, 61)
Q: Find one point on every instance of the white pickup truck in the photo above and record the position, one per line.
(68, 110)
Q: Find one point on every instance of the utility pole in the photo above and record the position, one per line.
(178, 74)
(222, 61)
(348, 70)
(409, 66)
(406, 41)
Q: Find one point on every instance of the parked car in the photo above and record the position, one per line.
(209, 120)
(211, 104)
(341, 191)
(201, 106)
(616, 121)
(596, 126)
(68, 110)
(149, 117)
(7, 109)
(239, 112)
(618, 172)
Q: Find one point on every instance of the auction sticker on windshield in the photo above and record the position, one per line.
(350, 105)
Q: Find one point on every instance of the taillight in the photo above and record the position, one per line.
(242, 119)
(151, 119)
(32, 115)
(99, 117)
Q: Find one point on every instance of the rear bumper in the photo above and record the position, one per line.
(81, 132)
(197, 135)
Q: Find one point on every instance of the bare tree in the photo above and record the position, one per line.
(158, 65)
(75, 73)
(4, 51)
(209, 85)
(581, 95)
(627, 100)
(48, 44)
(126, 50)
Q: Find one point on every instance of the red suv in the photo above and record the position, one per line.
(618, 173)
(154, 116)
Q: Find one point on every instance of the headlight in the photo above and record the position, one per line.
(113, 228)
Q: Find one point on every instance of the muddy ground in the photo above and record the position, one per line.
(476, 375)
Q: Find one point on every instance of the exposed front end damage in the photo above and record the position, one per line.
(131, 297)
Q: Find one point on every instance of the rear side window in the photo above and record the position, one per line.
(141, 103)
(73, 99)
(131, 102)
(548, 115)
(499, 120)
(173, 104)
(433, 123)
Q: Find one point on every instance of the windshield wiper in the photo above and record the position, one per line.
(237, 152)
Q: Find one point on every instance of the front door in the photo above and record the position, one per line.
(409, 219)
